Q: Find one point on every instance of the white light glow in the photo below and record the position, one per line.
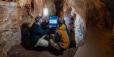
(53, 21)
(79, 31)
(45, 11)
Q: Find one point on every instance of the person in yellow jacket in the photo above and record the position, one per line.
(61, 35)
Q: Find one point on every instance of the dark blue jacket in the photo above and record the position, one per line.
(37, 32)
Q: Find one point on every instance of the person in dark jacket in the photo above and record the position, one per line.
(38, 33)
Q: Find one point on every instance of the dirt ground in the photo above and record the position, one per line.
(19, 51)
(98, 43)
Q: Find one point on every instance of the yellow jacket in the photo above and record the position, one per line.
(63, 36)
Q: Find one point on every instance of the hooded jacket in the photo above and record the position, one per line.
(64, 38)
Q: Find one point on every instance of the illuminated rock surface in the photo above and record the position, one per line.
(94, 13)
(9, 27)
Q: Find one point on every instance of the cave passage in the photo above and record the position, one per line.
(56, 28)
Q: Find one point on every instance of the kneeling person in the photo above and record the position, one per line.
(38, 34)
(61, 37)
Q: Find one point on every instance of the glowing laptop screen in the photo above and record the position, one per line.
(53, 21)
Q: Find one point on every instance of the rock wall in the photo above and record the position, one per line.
(92, 11)
(109, 5)
(15, 13)
(9, 27)
(29, 9)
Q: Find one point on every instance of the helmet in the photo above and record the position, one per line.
(38, 18)
(61, 21)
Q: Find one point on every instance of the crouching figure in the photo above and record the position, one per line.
(39, 34)
(61, 37)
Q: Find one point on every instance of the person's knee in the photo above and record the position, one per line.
(42, 43)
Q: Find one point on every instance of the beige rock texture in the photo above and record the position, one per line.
(9, 27)
(13, 13)
(92, 10)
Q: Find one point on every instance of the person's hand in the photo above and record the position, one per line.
(53, 44)
(49, 26)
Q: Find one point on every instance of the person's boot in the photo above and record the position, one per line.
(53, 44)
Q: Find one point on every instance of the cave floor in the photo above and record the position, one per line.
(19, 51)
(98, 43)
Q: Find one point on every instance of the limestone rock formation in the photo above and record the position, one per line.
(9, 27)
(92, 10)
(13, 13)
